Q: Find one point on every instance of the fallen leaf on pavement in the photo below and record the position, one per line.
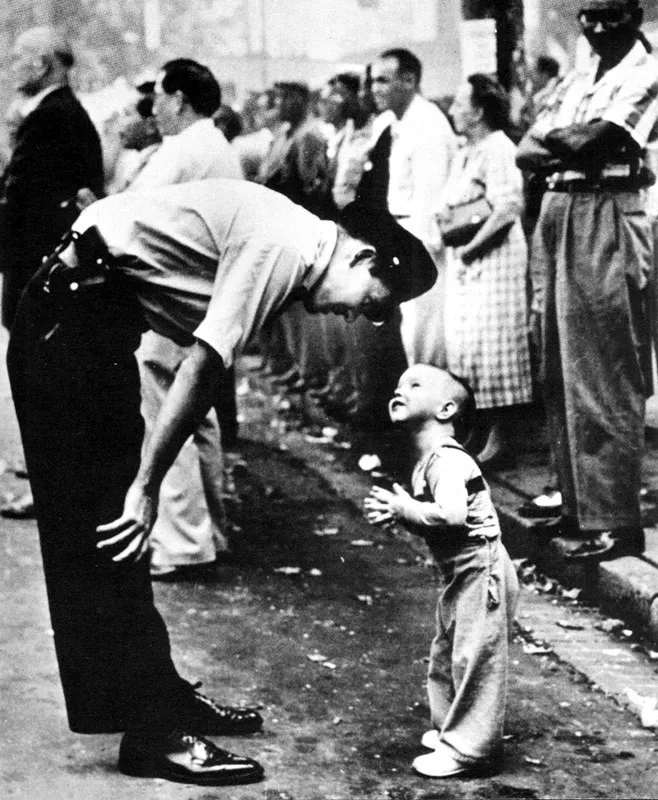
(288, 570)
(330, 531)
(570, 626)
(610, 625)
(343, 444)
(311, 437)
(536, 649)
(369, 461)
(317, 658)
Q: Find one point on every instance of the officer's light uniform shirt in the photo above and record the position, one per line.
(212, 259)
(200, 151)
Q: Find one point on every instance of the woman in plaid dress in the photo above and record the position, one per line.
(486, 317)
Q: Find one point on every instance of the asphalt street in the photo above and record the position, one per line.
(324, 623)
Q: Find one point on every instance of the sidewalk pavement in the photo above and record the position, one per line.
(625, 588)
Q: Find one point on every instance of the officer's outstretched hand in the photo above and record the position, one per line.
(131, 531)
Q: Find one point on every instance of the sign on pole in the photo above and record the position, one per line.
(478, 40)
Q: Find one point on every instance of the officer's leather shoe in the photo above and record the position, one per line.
(184, 758)
(205, 715)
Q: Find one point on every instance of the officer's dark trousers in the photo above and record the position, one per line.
(76, 391)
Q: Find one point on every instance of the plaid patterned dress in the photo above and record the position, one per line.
(486, 316)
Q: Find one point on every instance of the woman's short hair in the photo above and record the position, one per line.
(489, 95)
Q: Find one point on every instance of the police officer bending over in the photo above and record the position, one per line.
(205, 264)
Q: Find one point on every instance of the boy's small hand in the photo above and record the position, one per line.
(384, 506)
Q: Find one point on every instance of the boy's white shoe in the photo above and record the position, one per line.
(431, 739)
(442, 764)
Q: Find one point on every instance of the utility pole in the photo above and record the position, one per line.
(509, 45)
(508, 16)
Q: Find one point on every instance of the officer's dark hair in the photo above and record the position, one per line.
(464, 418)
(196, 82)
(294, 87)
(407, 61)
(349, 80)
(489, 95)
(549, 66)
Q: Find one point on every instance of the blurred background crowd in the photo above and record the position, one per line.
(415, 107)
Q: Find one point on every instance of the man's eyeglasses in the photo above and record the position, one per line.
(608, 17)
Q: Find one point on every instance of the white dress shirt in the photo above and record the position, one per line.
(200, 151)
(423, 145)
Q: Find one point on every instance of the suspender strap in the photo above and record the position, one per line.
(475, 484)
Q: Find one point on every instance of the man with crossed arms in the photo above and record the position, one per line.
(592, 258)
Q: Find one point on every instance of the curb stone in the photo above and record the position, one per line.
(627, 587)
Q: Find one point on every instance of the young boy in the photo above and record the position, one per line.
(452, 509)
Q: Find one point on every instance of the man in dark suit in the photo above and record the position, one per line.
(57, 152)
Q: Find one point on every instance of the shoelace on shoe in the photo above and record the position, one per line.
(227, 713)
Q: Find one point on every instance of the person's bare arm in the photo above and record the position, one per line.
(187, 402)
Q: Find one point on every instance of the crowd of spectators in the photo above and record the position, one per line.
(369, 135)
(372, 135)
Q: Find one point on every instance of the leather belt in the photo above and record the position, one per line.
(612, 178)
(608, 171)
(602, 185)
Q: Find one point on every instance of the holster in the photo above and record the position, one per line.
(64, 282)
